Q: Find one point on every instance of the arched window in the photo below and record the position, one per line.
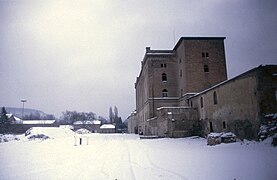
(164, 77)
(165, 93)
(215, 98)
(201, 102)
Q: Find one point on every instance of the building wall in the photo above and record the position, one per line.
(150, 85)
(132, 123)
(236, 109)
(184, 69)
(267, 88)
(191, 62)
(177, 122)
(107, 130)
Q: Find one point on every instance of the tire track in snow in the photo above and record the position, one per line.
(143, 164)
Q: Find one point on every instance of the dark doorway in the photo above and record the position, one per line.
(211, 127)
(136, 130)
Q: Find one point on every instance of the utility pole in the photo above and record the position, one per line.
(23, 101)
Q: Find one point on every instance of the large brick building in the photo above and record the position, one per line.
(194, 64)
(185, 91)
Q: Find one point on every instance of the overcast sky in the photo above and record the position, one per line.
(85, 55)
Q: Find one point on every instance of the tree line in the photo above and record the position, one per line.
(38, 116)
(69, 117)
(116, 120)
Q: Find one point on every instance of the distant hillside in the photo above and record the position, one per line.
(18, 111)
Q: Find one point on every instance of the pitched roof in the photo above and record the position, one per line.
(107, 126)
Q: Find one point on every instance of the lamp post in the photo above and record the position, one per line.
(23, 101)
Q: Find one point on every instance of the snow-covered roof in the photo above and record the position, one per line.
(107, 126)
(9, 115)
(16, 118)
(88, 122)
(38, 121)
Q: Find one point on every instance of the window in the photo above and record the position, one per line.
(181, 73)
(164, 77)
(205, 55)
(191, 104)
(215, 98)
(206, 68)
(163, 65)
(180, 61)
(224, 124)
(201, 102)
(165, 93)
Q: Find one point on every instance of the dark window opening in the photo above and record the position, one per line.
(162, 65)
(191, 104)
(164, 77)
(165, 93)
(206, 68)
(201, 102)
(181, 73)
(224, 125)
(205, 55)
(215, 98)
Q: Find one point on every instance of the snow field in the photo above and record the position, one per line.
(125, 156)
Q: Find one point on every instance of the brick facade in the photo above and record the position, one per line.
(167, 75)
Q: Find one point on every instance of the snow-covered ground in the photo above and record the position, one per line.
(126, 157)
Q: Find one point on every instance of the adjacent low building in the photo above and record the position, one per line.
(132, 123)
(107, 128)
(93, 125)
(239, 105)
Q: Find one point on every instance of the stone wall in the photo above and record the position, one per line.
(177, 122)
(240, 103)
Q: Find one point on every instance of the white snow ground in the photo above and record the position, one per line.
(126, 157)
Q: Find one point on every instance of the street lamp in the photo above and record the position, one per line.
(23, 101)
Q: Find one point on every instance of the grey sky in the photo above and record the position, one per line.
(85, 55)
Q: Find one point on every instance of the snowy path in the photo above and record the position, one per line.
(121, 157)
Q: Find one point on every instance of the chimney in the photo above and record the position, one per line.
(147, 49)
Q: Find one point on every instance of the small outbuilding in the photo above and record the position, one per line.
(107, 128)
(93, 126)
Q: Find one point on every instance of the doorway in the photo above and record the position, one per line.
(211, 127)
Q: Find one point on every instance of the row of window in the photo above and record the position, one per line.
(204, 55)
(164, 77)
(214, 99)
